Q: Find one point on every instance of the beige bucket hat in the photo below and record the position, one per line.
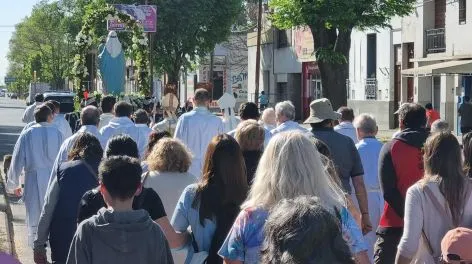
(321, 110)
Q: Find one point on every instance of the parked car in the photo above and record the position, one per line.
(66, 99)
(14, 96)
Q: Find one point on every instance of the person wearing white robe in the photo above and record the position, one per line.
(28, 115)
(60, 121)
(107, 104)
(35, 152)
(197, 128)
(89, 118)
(141, 119)
(250, 111)
(168, 124)
(122, 124)
(285, 116)
(369, 150)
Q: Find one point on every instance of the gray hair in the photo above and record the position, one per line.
(268, 116)
(366, 123)
(439, 126)
(285, 108)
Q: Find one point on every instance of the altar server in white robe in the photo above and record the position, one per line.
(35, 152)
(51, 106)
(196, 129)
(142, 121)
(122, 124)
(60, 121)
(89, 119)
(28, 115)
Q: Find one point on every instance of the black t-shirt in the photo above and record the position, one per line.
(149, 200)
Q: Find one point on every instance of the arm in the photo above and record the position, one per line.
(359, 187)
(17, 164)
(179, 129)
(412, 231)
(388, 181)
(180, 221)
(362, 258)
(176, 239)
(78, 252)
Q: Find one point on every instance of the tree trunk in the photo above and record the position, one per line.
(334, 75)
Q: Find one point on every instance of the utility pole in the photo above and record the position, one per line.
(210, 79)
(151, 70)
(258, 52)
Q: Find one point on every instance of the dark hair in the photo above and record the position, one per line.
(51, 106)
(122, 145)
(428, 106)
(141, 117)
(39, 97)
(224, 181)
(323, 124)
(154, 138)
(262, 92)
(443, 164)
(57, 105)
(121, 176)
(412, 115)
(107, 103)
(201, 95)
(300, 231)
(86, 147)
(90, 116)
(466, 98)
(41, 113)
(467, 149)
(248, 111)
(347, 114)
(123, 109)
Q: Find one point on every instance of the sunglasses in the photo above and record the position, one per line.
(454, 259)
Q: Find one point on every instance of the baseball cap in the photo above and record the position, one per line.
(456, 245)
(321, 110)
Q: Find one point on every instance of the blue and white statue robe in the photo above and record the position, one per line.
(35, 152)
(112, 71)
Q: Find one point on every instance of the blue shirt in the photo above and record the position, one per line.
(186, 216)
(369, 151)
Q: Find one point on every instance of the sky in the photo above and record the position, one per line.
(11, 13)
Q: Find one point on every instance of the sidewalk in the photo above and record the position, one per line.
(7, 241)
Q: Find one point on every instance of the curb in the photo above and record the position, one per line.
(6, 210)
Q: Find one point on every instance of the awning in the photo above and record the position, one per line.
(448, 67)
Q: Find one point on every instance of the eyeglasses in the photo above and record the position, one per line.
(454, 259)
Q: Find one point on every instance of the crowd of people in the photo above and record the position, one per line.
(123, 190)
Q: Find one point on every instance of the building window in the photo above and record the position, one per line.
(284, 38)
(462, 12)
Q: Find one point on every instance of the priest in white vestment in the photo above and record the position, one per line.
(197, 128)
(28, 115)
(123, 125)
(35, 152)
(89, 119)
(107, 103)
(60, 121)
(142, 121)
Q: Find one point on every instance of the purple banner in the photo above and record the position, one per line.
(145, 14)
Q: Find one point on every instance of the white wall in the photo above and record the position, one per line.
(458, 37)
(286, 61)
(266, 65)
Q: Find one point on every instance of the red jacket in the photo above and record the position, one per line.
(400, 166)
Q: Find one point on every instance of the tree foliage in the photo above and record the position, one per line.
(331, 23)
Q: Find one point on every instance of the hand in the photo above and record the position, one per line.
(40, 257)
(18, 192)
(366, 224)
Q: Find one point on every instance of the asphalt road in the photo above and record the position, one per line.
(11, 112)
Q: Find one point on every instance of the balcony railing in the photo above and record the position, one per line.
(435, 40)
(371, 89)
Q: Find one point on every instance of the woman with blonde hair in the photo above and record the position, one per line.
(290, 166)
(250, 136)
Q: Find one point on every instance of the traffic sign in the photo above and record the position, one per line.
(9, 80)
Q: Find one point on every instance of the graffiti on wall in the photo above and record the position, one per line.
(239, 85)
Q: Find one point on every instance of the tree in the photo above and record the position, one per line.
(331, 23)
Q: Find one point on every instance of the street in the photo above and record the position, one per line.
(11, 112)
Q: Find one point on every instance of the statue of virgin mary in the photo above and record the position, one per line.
(111, 60)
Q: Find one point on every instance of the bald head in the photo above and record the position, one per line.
(90, 116)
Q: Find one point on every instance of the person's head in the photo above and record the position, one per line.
(154, 138)
(39, 98)
(262, 92)
(121, 145)
(428, 106)
(292, 166)
(411, 116)
(57, 106)
(455, 246)
(43, 113)
(322, 114)
(90, 116)
(141, 117)
(366, 126)
(302, 231)
(466, 99)
(169, 155)
(123, 109)
(224, 180)
(347, 114)
(440, 125)
(120, 179)
(201, 98)
(107, 103)
(250, 135)
(284, 111)
(248, 111)
(86, 147)
(443, 163)
(268, 116)
(51, 106)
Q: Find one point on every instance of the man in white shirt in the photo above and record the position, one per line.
(168, 124)
(28, 115)
(369, 150)
(89, 118)
(60, 121)
(345, 126)
(249, 111)
(35, 152)
(142, 121)
(197, 128)
(285, 116)
(122, 124)
(107, 104)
